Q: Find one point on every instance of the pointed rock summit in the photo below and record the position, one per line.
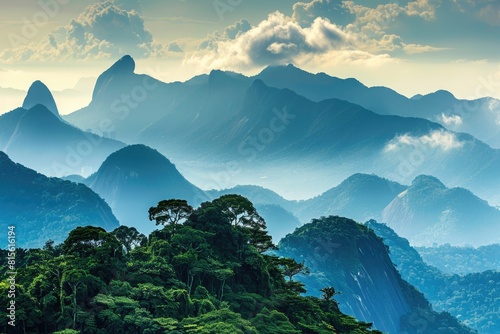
(38, 93)
(123, 67)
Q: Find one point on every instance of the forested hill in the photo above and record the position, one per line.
(205, 271)
(353, 259)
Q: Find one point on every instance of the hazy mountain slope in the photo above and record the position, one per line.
(266, 134)
(352, 259)
(428, 212)
(360, 197)
(136, 178)
(40, 140)
(462, 260)
(44, 208)
(473, 298)
(478, 117)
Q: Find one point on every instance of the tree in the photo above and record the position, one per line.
(170, 212)
(129, 237)
(328, 293)
(75, 279)
(241, 212)
(90, 240)
(291, 268)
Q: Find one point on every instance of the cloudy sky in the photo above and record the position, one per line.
(411, 46)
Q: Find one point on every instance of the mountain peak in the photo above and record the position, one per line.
(122, 68)
(125, 65)
(258, 84)
(39, 93)
(137, 157)
(427, 181)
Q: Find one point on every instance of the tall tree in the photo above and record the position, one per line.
(241, 212)
(170, 212)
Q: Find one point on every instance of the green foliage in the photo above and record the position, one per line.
(210, 276)
(170, 212)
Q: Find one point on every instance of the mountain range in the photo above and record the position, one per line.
(265, 133)
(479, 117)
(426, 212)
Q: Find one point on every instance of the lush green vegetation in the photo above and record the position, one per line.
(472, 298)
(462, 260)
(206, 270)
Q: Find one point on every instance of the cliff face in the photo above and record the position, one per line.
(352, 259)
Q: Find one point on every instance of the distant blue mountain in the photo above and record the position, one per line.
(225, 118)
(38, 93)
(37, 137)
(136, 178)
(40, 140)
(429, 213)
(478, 117)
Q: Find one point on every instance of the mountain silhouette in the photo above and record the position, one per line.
(38, 93)
(478, 117)
(40, 140)
(225, 118)
(136, 178)
(430, 213)
(360, 196)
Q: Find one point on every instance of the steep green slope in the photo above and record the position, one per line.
(352, 259)
(45, 208)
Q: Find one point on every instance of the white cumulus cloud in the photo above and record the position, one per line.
(277, 40)
(451, 120)
(103, 30)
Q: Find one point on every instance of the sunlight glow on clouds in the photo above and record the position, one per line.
(102, 31)
(280, 39)
(440, 139)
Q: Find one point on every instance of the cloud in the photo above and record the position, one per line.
(418, 48)
(334, 10)
(490, 13)
(174, 47)
(437, 139)
(230, 32)
(452, 120)
(277, 40)
(102, 31)
(129, 5)
(372, 26)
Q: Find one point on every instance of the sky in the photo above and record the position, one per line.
(411, 46)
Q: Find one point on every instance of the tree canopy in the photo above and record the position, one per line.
(209, 276)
